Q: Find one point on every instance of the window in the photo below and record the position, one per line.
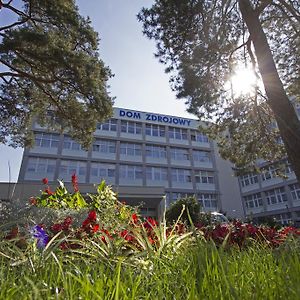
(41, 165)
(46, 140)
(274, 171)
(71, 144)
(155, 130)
(204, 177)
(197, 136)
(131, 127)
(179, 154)
(288, 167)
(148, 211)
(177, 133)
(276, 196)
(131, 172)
(103, 170)
(248, 179)
(157, 174)
(253, 200)
(298, 109)
(181, 175)
(70, 167)
(284, 218)
(295, 191)
(176, 196)
(109, 125)
(104, 146)
(156, 151)
(207, 200)
(269, 172)
(201, 156)
(131, 149)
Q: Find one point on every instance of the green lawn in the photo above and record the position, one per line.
(196, 270)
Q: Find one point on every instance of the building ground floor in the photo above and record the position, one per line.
(150, 201)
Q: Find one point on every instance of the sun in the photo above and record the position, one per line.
(242, 81)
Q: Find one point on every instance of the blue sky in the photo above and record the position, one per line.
(139, 82)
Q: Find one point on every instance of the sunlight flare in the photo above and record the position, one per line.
(243, 81)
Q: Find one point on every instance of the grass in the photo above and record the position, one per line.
(196, 270)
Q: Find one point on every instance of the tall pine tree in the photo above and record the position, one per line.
(203, 41)
(50, 71)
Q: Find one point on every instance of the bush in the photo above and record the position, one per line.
(189, 203)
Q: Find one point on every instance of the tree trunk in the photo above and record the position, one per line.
(285, 115)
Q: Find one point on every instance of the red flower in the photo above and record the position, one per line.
(92, 216)
(66, 223)
(75, 182)
(56, 228)
(150, 223)
(48, 191)
(106, 232)
(45, 180)
(151, 240)
(126, 235)
(32, 201)
(135, 218)
(86, 222)
(96, 227)
(13, 233)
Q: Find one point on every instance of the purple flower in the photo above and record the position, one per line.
(40, 234)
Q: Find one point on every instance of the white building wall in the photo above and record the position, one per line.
(229, 188)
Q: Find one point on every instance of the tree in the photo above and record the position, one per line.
(50, 71)
(202, 42)
(190, 203)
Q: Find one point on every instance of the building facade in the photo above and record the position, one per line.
(267, 195)
(139, 150)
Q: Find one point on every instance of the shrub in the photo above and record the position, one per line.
(188, 203)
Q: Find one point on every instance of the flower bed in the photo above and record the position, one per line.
(108, 251)
(111, 221)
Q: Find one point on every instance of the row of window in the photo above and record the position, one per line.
(274, 196)
(152, 130)
(133, 128)
(206, 200)
(267, 173)
(131, 149)
(69, 167)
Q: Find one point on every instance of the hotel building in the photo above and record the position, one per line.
(269, 195)
(143, 156)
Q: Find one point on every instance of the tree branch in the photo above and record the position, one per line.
(25, 74)
(14, 24)
(239, 47)
(289, 17)
(15, 10)
(290, 9)
(260, 8)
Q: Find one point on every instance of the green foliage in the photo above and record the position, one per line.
(202, 42)
(50, 62)
(60, 199)
(194, 271)
(180, 207)
(110, 211)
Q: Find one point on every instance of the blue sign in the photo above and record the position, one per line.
(155, 118)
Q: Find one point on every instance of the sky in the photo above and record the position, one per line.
(139, 81)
